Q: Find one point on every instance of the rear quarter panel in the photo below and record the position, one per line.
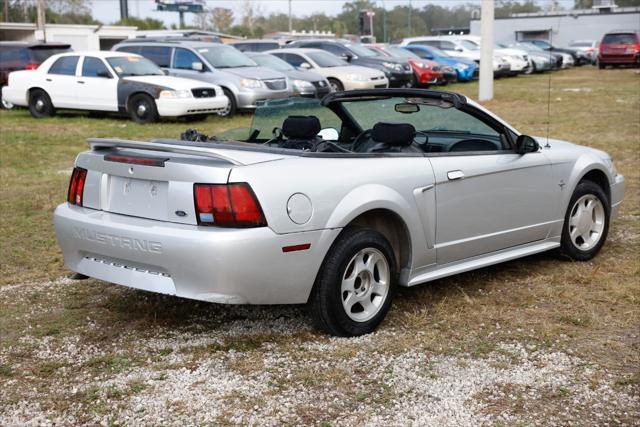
(340, 189)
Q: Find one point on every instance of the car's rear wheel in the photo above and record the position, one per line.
(40, 104)
(142, 108)
(232, 107)
(586, 222)
(355, 284)
(3, 102)
(336, 85)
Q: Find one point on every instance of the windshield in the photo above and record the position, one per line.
(273, 62)
(468, 44)
(126, 66)
(437, 52)
(325, 59)
(401, 53)
(221, 56)
(360, 50)
(531, 47)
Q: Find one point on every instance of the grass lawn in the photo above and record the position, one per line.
(537, 340)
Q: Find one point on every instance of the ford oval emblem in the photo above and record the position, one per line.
(181, 213)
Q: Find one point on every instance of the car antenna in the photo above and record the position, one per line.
(549, 89)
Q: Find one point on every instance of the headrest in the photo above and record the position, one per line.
(301, 127)
(394, 134)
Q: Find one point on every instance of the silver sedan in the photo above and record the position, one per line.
(333, 203)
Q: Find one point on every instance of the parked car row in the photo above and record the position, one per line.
(185, 76)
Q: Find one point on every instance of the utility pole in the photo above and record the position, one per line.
(6, 10)
(124, 9)
(41, 19)
(384, 23)
(290, 21)
(485, 91)
(409, 20)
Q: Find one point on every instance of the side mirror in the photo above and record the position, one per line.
(104, 74)
(197, 66)
(347, 57)
(305, 66)
(459, 49)
(429, 56)
(526, 144)
(329, 134)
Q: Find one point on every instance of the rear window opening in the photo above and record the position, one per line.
(619, 38)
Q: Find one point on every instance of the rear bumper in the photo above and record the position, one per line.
(620, 59)
(617, 195)
(186, 106)
(232, 266)
(15, 96)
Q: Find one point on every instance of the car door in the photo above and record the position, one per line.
(97, 85)
(488, 199)
(182, 64)
(61, 82)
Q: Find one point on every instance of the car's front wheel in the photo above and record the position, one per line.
(336, 85)
(142, 108)
(40, 104)
(586, 222)
(355, 284)
(232, 107)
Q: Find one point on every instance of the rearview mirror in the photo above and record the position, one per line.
(407, 108)
(197, 66)
(305, 66)
(329, 134)
(526, 144)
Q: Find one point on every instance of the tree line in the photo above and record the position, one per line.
(388, 24)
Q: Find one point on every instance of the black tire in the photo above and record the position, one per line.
(232, 109)
(5, 105)
(532, 69)
(336, 84)
(567, 246)
(326, 305)
(142, 108)
(601, 65)
(40, 104)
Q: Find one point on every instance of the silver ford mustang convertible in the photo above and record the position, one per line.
(333, 203)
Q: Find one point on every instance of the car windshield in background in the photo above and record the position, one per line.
(622, 38)
(581, 44)
(126, 66)
(325, 59)
(530, 46)
(221, 56)
(40, 54)
(401, 53)
(360, 50)
(272, 62)
(437, 52)
(468, 44)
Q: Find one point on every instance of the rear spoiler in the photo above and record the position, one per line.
(175, 146)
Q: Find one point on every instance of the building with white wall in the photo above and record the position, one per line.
(561, 27)
(80, 37)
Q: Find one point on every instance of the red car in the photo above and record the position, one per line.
(425, 72)
(16, 56)
(619, 48)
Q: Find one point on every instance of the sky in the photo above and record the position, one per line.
(108, 11)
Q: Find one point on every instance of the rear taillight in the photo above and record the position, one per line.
(31, 66)
(227, 205)
(76, 186)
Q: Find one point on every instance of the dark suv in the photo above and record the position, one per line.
(619, 48)
(398, 71)
(16, 56)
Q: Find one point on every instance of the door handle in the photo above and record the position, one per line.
(81, 82)
(453, 175)
(48, 80)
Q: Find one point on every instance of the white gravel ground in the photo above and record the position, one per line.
(188, 378)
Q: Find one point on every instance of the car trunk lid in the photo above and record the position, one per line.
(155, 180)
